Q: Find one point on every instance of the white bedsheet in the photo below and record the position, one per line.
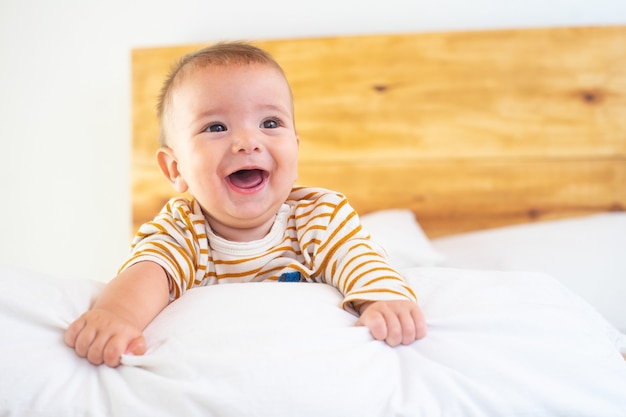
(499, 344)
(586, 254)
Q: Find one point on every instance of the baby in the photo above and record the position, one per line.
(228, 140)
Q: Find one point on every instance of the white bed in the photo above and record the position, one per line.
(499, 344)
(514, 343)
(490, 165)
(586, 254)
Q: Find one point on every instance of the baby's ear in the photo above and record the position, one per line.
(169, 167)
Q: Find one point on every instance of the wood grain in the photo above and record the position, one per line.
(470, 130)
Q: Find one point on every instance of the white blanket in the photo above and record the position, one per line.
(499, 344)
(586, 254)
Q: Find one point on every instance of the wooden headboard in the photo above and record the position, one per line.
(470, 130)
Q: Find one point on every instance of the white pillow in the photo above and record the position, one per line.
(514, 344)
(399, 233)
(586, 254)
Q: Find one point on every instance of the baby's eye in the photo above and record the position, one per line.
(270, 124)
(216, 127)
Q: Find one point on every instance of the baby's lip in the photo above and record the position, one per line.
(248, 179)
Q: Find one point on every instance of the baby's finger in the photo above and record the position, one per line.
(394, 328)
(136, 346)
(113, 349)
(376, 324)
(84, 341)
(95, 354)
(73, 331)
(420, 323)
(409, 329)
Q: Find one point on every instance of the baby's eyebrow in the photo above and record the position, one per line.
(284, 113)
(275, 107)
(202, 117)
(205, 113)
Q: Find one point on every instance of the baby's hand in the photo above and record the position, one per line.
(394, 321)
(102, 337)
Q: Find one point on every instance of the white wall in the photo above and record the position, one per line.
(64, 97)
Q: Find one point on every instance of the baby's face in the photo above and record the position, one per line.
(231, 131)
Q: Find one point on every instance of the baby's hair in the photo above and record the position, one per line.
(219, 54)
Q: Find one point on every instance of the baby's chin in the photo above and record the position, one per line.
(247, 224)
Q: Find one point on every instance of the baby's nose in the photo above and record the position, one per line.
(247, 141)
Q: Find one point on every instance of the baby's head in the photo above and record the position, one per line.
(228, 137)
(224, 54)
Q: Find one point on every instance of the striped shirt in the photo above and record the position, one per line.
(316, 237)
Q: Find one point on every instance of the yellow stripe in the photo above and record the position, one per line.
(337, 230)
(315, 207)
(369, 271)
(378, 290)
(343, 240)
(172, 259)
(347, 264)
(287, 248)
(253, 272)
(309, 243)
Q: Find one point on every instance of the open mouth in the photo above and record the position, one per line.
(248, 179)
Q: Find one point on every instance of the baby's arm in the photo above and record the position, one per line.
(114, 324)
(394, 321)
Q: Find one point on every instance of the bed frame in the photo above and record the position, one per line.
(470, 130)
